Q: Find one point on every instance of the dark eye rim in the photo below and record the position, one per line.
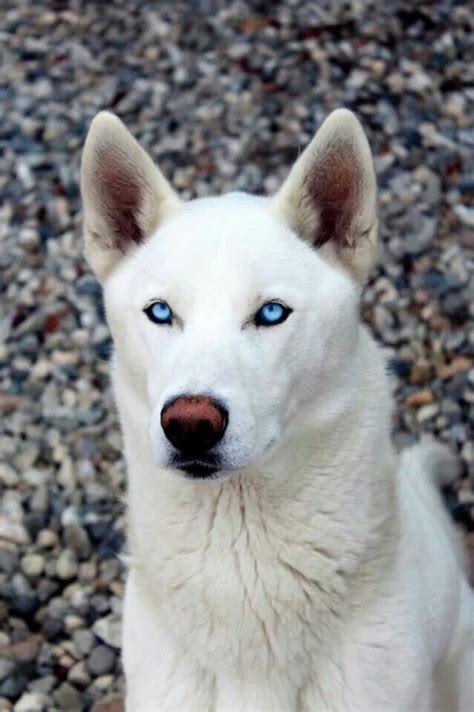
(149, 313)
(286, 313)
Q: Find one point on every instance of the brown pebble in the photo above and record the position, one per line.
(110, 704)
(9, 402)
(421, 372)
(439, 323)
(457, 365)
(25, 651)
(420, 398)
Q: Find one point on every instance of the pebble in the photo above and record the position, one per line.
(101, 660)
(66, 565)
(426, 412)
(84, 641)
(109, 630)
(79, 675)
(465, 214)
(13, 531)
(32, 565)
(33, 702)
(67, 698)
(112, 703)
(458, 365)
(8, 476)
(6, 668)
(47, 539)
(419, 399)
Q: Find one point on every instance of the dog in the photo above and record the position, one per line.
(282, 556)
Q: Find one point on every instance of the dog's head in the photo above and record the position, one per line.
(234, 317)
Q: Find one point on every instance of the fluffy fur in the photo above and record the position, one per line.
(317, 571)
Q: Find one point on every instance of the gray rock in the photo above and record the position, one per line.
(84, 641)
(101, 661)
(6, 668)
(67, 698)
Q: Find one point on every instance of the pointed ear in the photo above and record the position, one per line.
(329, 198)
(125, 196)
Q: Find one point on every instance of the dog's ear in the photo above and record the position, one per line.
(329, 198)
(125, 196)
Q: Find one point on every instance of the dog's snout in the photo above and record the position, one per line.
(194, 424)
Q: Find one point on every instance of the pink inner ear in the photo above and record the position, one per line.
(121, 192)
(333, 188)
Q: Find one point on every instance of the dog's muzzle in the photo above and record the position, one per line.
(194, 425)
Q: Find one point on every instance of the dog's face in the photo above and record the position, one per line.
(231, 315)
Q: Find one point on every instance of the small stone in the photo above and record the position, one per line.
(66, 476)
(113, 703)
(6, 668)
(66, 565)
(76, 539)
(465, 214)
(24, 651)
(101, 661)
(109, 630)
(47, 539)
(13, 531)
(401, 367)
(456, 308)
(396, 82)
(424, 231)
(9, 403)
(8, 475)
(421, 372)
(460, 364)
(32, 565)
(84, 641)
(13, 685)
(33, 702)
(419, 82)
(8, 560)
(103, 682)
(426, 412)
(78, 674)
(29, 239)
(45, 685)
(67, 698)
(420, 398)
(73, 622)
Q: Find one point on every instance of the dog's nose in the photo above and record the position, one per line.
(194, 424)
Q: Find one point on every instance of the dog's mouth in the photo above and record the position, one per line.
(198, 469)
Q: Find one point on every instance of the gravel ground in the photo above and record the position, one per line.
(223, 95)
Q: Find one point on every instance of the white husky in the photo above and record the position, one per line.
(282, 557)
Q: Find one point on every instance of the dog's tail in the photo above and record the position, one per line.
(428, 467)
(437, 462)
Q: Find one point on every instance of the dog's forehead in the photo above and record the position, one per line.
(234, 232)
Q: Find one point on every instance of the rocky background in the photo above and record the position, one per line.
(224, 95)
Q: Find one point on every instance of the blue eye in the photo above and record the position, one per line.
(159, 313)
(271, 314)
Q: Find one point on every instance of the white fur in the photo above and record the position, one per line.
(318, 572)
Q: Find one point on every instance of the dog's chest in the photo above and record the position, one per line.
(245, 583)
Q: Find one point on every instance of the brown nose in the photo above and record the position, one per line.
(194, 424)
